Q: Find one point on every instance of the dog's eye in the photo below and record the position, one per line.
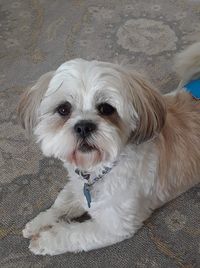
(64, 109)
(105, 109)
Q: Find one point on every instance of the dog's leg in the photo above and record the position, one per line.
(65, 204)
(108, 227)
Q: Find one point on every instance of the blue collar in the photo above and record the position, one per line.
(193, 87)
(90, 179)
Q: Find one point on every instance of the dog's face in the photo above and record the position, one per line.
(85, 113)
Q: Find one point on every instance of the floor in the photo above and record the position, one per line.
(37, 36)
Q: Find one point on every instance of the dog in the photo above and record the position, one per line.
(127, 148)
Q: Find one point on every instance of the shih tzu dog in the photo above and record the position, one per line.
(127, 148)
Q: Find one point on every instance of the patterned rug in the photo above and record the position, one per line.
(37, 36)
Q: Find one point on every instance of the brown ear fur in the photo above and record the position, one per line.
(150, 107)
(29, 103)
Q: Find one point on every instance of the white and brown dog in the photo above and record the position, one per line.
(127, 148)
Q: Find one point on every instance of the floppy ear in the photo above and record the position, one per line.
(29, 103)
(149, 106)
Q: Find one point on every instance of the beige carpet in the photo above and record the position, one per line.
(37, 36)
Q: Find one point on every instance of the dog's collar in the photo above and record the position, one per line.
(193, 87)
(90, 179)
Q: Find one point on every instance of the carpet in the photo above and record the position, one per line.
(36, 37)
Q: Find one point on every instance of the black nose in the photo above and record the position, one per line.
(84, 128)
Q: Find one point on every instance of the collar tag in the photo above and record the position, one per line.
(86, 191)
(91, 179)
(193, 87)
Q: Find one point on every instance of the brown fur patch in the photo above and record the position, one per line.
(28, 106)
(116, 121)
(55, 122)
(151, 110)
(179, 143)
(149, 106)
(82, 218)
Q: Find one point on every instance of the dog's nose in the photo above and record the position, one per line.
(84, 128)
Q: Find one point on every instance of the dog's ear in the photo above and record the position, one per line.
(149, 106)
(27, 109)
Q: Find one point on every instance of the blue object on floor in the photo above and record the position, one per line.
(193, 87)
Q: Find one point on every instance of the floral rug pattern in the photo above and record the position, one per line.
(37, 36)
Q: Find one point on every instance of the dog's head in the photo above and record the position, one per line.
(85, 112)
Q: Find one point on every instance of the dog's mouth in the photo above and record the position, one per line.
(84, 147)
(85, 155)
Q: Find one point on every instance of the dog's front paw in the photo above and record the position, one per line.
(38, 246)
(41, 222)
(29, 230)
(46, 242)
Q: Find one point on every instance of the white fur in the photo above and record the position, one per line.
(120, 204)
(126, 196)
(187, 64)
